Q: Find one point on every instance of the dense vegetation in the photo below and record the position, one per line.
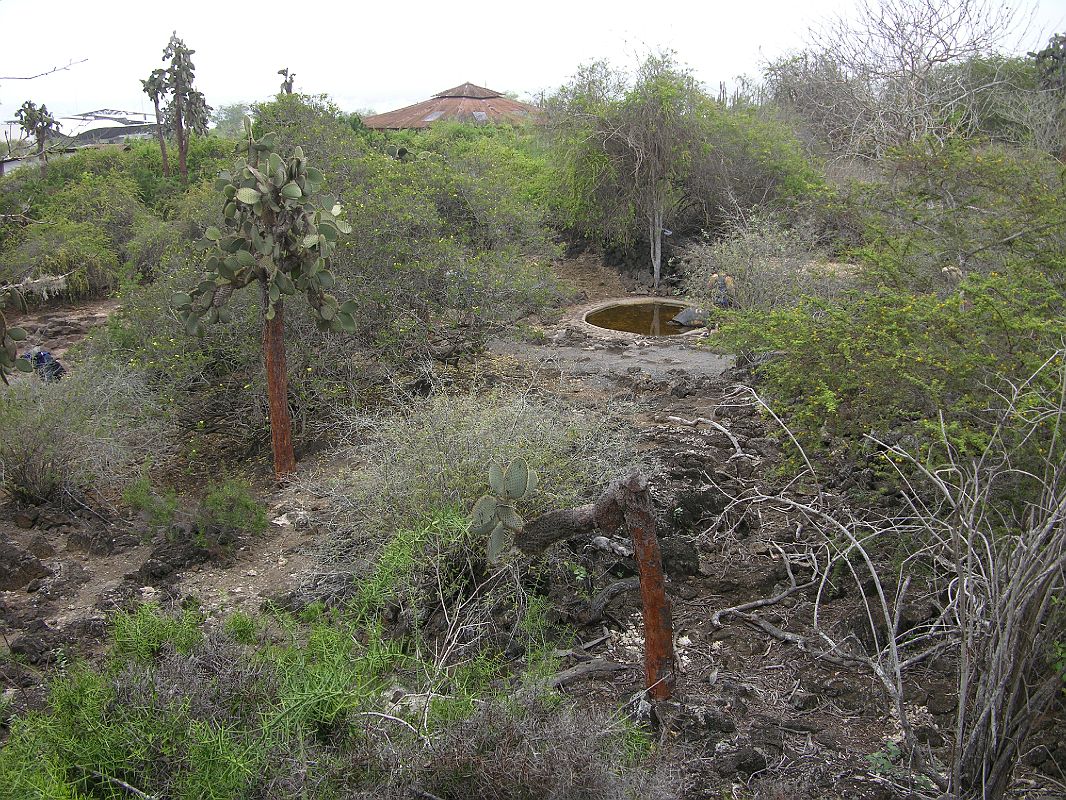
(896, 294)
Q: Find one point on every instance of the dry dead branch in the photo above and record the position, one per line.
(988, 536)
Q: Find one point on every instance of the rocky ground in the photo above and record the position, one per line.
(57, 328)
(753, 707)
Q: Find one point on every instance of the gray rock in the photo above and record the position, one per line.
(691, 317)
(803, 701)
(745, 762)
(18, 568)
(26, 519)
(942, 699)
(41, 547)
(679, 557)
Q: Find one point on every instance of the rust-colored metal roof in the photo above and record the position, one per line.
(464, 103)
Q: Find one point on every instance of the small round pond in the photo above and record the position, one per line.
(648, 318)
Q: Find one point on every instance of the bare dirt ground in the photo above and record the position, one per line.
(590, 278)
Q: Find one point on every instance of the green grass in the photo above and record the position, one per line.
(230, 505)
(143, 633)
(402, 554)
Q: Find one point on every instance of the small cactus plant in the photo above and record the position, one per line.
(494, 513)
(9, 337)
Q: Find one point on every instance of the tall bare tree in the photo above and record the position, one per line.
(883, 78)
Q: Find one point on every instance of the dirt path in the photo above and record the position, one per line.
(586, 273)
(607, 360)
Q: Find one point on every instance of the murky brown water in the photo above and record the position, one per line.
(650, 319)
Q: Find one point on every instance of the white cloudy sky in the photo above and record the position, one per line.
(383, 55)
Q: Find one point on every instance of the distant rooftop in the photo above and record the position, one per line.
(106, 124)
(464, 103)
(114, 115)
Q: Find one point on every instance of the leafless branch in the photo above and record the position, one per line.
(988, 537)
(898, 72)
(61, 68)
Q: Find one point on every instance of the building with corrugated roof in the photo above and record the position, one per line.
(105, 126)
(465, 103)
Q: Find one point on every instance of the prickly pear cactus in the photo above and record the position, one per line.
(494, 514)
(9, 337)
(280, 232)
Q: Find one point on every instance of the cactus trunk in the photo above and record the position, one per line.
(277, 388)
(627, 501)
(658, 629)
(183, 142)
(159, 135)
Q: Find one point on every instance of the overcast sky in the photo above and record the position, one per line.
(384, 55)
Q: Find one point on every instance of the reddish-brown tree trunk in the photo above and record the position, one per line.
(658, 629)
(278, 388)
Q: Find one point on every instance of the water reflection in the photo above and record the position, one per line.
(649, 319)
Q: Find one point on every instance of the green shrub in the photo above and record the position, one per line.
(85, 227)
(144, 336)
(750, 159)
(434, 455)
(315, 123)
(890, 362)
(514, 749)
(231, 506)
(159, 508)
(724, 159)
(770, 264)
(87, 435)
(78, 251)
(166, 725)
(142, 634)
(151, 243)
(71, 167)
(964, 266)
(444, 247)
(242, 628)
(192, 212)
(949, 210)
(178, 714)
(437, 569)
(108, 202)
(403, 556)
(207, 156)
